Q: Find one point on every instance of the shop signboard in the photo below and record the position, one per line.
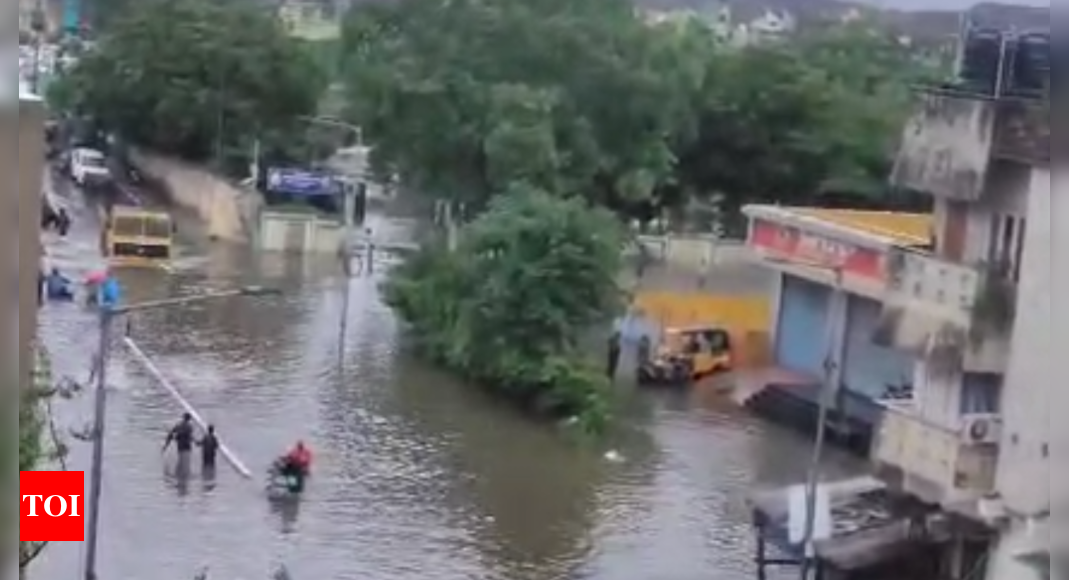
(792, 245)
(302, 183)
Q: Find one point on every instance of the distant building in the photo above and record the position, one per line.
(769, 26)
(311, 19)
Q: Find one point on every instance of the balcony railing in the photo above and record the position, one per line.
(942, 289)
(958, 313)
(938, 463)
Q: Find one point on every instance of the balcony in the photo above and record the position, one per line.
(935, 463)
(942, 290)
(946, 146)
(958, 313)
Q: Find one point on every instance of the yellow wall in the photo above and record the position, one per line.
(746, 318)
(738, 313)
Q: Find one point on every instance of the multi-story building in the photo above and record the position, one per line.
(937, 330)
(22, 125)
(975, 436)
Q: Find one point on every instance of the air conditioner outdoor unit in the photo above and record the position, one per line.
(981, 429)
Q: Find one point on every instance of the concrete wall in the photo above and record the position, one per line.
(1024, 468)
(1005, 193)
(224, 207)
(299, 232)
(23, 154)
(946, 146)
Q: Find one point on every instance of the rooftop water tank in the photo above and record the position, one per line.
(981, 56)
(1030, 68)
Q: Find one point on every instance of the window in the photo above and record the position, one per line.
(1005, 246)
(981, 393)
(92, 160)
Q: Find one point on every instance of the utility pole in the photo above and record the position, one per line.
(39, 25)
(716, 231)
(96, 472)
(348, 242)
(354, 192)
(829, 390)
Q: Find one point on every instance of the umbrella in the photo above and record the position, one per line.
(96, 277)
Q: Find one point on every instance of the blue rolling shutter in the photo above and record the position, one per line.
(868, 368)
(801, 327)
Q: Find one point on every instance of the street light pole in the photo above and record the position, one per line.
(96, 473)
(100, 403)
(828, 390)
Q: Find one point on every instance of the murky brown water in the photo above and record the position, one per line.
(417, 477)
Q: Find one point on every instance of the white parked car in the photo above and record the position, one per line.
(89, 167)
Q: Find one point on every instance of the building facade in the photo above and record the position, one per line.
(23, 127)
(829, 310)
(944, 323)
(977, 435)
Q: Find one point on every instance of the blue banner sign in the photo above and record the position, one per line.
(302, 183)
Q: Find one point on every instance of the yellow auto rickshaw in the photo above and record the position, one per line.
(686, 355)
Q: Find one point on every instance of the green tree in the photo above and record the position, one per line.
(32, 450)
(510, 306)
(466, 98)
(784, 122)
(195, 78)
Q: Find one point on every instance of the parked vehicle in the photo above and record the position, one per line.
(89, 167)
(138, 237)
(686, 355)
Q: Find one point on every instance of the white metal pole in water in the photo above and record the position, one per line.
(155, 371)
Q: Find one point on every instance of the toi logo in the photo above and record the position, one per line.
(52, 506)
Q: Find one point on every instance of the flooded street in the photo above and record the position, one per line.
(417, 477)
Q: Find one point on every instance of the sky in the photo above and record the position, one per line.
(948, 4)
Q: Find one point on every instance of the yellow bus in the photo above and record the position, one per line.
(138, 237)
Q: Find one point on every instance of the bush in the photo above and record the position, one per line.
(509, 306)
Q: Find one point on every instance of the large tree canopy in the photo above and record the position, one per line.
(509, 306)
(465, 97)
(194, 77)
(787, 121)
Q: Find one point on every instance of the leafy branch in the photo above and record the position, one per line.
(39, 438)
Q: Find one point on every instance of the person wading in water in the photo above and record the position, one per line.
(182, 437)
(209, 449)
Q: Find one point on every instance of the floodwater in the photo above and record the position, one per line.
(417, 477)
